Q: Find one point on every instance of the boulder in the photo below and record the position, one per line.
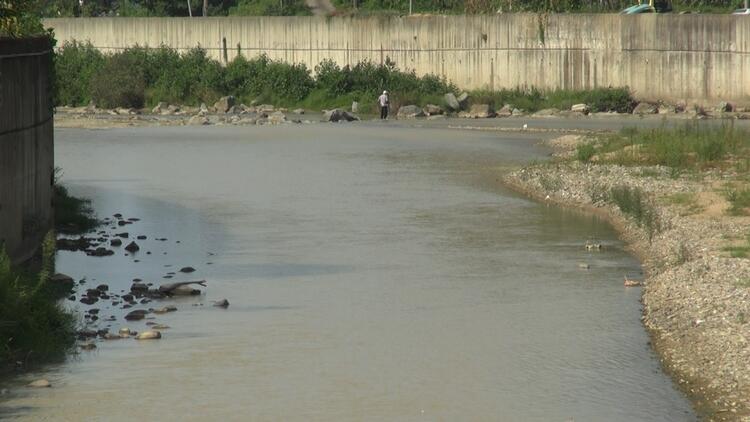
(265, 108)
(148, 335)
(299, 111)
(160, 107)
(337, 115)
(224, 104)
(506, 111)
(432, 110)
(463, 99)
(62, 282)
(39, 384)
(724, 107)
(132, 247)
(547, 112)
(198, 120)
(172, 109)
(136, 287)
(276, 118)
(645, 108)
(666, 109)
(451, 101)
(136, 315)
(580, 108)
(481, 111)
(409, 112)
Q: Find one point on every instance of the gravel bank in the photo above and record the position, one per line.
(695, 296)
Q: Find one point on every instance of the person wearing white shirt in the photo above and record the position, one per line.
(384, 102)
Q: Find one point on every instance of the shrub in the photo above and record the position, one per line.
(633, 202)
(193, 78)
(75, 64)
(120, 82)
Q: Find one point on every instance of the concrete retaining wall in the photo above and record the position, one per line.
(671, 57)
(26, 145)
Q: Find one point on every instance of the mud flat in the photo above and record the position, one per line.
(696, 293)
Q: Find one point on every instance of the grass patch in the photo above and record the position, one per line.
(633, 202)
(739, 251)
(687, 202)
(33, 325)
(585, 151)
(686, 147)
(739, 200)
(72, 215)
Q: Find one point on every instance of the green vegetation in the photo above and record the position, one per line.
(33, 325)
(585, 151)
(598, 99)
(140, 76)
(685, 147)
(739, 200)
(739, 251)
(20, 18)
(54, 8)
(687, 202)
(72, 214)
(633, 202)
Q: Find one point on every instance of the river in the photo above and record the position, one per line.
(374, 272)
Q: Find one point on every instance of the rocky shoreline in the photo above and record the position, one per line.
(695, 295)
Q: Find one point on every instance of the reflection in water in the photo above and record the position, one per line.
(373, 273)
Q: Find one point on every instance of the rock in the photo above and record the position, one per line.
(223, 303)
(93, 292)
(198, 120)
(666, 109)
(86, 334)
(42, 383)
(265, 108)
(172, 109)
(62, 283)
(102, 287)
(187, 269)
(137, 287)
(506, 111)
(481, 111)
(148, 335)
(337, 115)
(89, 300)
(437, 117)
(547, 112)
(517, 112)
(115, 242)
(409, 112)
(185, 291)
(432, 110)
(203, 109)
(234, 110)
(276, 118)
(355, 107)
(463, 99)
(165, 309)
(452, 102)
(580, 108)
(299, 111)
(100, 252)
(160, 327)
(132, 247)
(88, 346)
(124, 332)
(724, 107)
(224, 104)
(142, 237)
(110, 336)
(645, 108)
(136, 315)
(160, 107)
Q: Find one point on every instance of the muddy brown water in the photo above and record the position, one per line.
(374, 273)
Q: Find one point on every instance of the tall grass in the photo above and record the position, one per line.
(598, 99)
(72, 214)
(33, 325)
(633, 202)
(683, 147)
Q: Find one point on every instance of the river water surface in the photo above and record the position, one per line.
(374, 273)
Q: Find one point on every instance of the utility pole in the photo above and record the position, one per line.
(205, 8)
(190, 10)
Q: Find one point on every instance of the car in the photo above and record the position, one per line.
(741, 12)
(653, 6)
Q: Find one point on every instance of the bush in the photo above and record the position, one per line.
(75, 64)
(119, 83)
(192, 79)
(633, 202)
(584, 152)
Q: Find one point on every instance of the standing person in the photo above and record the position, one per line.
(384, 102)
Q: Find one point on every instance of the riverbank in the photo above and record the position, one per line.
(697, 286)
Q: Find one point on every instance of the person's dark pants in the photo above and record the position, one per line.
(383, 112)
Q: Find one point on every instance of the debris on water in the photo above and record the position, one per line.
(223, 303)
